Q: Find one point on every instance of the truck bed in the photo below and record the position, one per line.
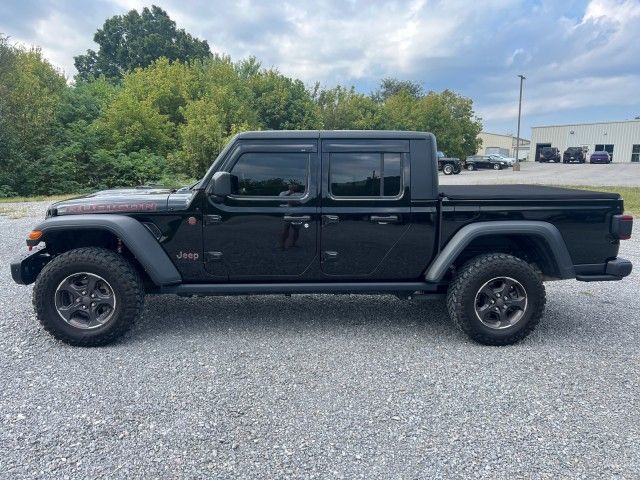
(519, 192)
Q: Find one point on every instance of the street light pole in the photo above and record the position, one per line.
(516, 165)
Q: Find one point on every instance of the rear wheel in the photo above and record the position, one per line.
(447, 170)
(496, 299)
(88, 296)
(470, 166)
(497, 167)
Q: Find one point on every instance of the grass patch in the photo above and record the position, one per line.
(37, 198)
(630, 195)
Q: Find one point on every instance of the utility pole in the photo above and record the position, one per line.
(516, 166)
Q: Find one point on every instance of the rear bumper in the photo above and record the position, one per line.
(615, 269)
(26, 268)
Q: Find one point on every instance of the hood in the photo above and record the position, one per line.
(124, 200)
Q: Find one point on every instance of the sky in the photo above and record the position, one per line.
(581, 58)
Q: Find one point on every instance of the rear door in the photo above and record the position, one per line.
(365, 204)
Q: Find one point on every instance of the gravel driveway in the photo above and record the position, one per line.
(320, 386)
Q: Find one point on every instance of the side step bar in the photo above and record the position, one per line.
(189, 289)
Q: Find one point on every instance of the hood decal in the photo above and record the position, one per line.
(125, 201)
(110, 207)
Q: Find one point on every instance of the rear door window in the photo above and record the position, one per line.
(365, 174)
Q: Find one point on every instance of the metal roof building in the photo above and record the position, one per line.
(621, 139)
(503, 144)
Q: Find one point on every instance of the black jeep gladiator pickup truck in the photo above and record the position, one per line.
(321, 212)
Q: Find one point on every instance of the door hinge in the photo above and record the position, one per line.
(213, 256)
(212, 219)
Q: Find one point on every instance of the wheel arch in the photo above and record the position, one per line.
(62, 233)
(534, 241)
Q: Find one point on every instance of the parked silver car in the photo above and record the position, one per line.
(498, 157)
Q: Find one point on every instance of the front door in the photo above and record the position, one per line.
(267, 228)
(365, 205)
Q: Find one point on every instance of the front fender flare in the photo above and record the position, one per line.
(463, 237)
(137, 238)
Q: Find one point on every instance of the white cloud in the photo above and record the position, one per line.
(574, 56)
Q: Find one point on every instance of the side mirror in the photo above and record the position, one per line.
(222, 184)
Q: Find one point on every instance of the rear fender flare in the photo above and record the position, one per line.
(137, 238)
(544, 231)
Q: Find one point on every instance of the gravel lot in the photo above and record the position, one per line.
(620, 174)
(323, 387)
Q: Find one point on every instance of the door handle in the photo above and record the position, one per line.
(212, 219)
(329, 219)
(384, 219)
(297, 220)
(329, 256)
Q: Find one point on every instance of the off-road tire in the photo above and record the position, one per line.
(112, 267)
(461, 297)
(447, 170)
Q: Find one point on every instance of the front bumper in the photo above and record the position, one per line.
(26, 267)
(615, 269)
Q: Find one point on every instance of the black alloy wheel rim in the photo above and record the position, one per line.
(501, 303)
(85, 300)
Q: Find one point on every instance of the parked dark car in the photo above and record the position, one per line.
(476, 162)
(550, 154)
(573, 154)
(307, 212)
(448, 166)
(600, 157)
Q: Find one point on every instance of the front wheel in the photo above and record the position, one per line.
(496, 299)
(447, 170)
(497, 167)
(470, 167)
(88, 296)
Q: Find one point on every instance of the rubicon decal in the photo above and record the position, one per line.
(188, 255)
(109, 207)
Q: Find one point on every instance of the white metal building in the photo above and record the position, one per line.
(621, 139)
(503, 144)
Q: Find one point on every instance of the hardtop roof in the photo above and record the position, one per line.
(379, 134)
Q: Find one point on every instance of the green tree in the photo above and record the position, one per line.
(136, 40)
(282, 103)
(30, 90)
(392, 86)
(167, 86)
(343, 109)
(69, 161)
(131, 124)
(449, 116)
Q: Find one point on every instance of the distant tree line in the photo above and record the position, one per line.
(154, 105)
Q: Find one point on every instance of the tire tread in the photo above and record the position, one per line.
(471, 270)
(126, 277)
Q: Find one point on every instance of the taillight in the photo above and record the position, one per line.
(621, 226)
